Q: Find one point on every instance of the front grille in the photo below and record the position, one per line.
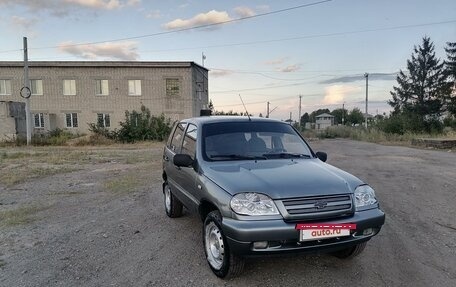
(317, 207)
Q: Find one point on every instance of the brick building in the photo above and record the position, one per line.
(70, 95)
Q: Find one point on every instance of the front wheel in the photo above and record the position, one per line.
(173, 206)
(221, 260)
(350, 252)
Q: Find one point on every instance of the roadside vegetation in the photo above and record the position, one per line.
(423, 102)
(137, 126)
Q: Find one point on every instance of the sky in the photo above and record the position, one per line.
(265, 51)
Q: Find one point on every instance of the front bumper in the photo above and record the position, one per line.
(283, 237)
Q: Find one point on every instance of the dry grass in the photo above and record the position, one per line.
(19, 174)
(123, 184)
(373, 135)
(21, 215)
(20, 164)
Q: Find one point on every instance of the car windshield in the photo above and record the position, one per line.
(252, 141)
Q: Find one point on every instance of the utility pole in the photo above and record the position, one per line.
(299, 119)
(267, 110)
(27, 99)
(343, 112)
(367, 81)
(290, 119)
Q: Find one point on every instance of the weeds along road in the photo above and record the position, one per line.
(94, 217)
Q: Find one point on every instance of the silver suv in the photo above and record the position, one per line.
(260, 189)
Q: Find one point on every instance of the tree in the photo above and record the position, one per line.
(450, 63)
(211, 106)
(355, 117)
(305, 118)
(450, 66)
(339, 114)
(423, 88)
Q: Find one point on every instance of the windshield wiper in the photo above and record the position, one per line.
(236, 157)
(287, 155)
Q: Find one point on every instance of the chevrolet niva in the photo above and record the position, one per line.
(260, 189)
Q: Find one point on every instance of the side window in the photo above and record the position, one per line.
(189, 144)
(177, 137)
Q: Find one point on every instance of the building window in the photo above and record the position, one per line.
(5, 87)
(69, 87)
(134, 87)
(103, 120)
(71, 120)
(39, 120)
(172, 88)
(36, 87)
(102, 88)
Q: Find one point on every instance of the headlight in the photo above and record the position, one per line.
(251, 203)
(364, 196)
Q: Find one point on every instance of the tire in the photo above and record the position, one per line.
(350, 252)
(173, 206)
(221, 260)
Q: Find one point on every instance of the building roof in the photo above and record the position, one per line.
(325, 115)
(133, 64)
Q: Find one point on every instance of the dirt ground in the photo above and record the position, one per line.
(94, 217)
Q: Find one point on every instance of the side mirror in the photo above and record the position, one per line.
(182, 160)
(322, 156)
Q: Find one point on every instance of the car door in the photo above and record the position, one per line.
(173, 175)
(188, 175)
(181, 180)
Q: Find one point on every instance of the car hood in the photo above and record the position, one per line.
(281, 178)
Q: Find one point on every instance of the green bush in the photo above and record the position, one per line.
(56, 137)
(138, 126)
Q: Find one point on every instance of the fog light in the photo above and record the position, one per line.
(260, 244)
(368, 231)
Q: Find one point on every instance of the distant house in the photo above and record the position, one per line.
(12, 120)
(323, 121)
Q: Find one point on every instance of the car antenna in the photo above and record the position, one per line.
(245, 107)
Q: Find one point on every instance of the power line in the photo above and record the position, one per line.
(192, 28)
(259, 88)
(270, 77)
(244, 43)
(302, 37)
(260, 41)
(270, 100)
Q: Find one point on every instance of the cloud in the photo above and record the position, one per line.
(243, 11)
(126, 51)
(133, 2)
(336, 94)
(354, 78)
(155, 14)
(97, 4)
(24, 23)
(290, 68)
(276, 61)
(219, 73)
(63, 7)
(208, 18)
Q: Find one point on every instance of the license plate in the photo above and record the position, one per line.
(323, 233)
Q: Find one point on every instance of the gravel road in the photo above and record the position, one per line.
(104, 225)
